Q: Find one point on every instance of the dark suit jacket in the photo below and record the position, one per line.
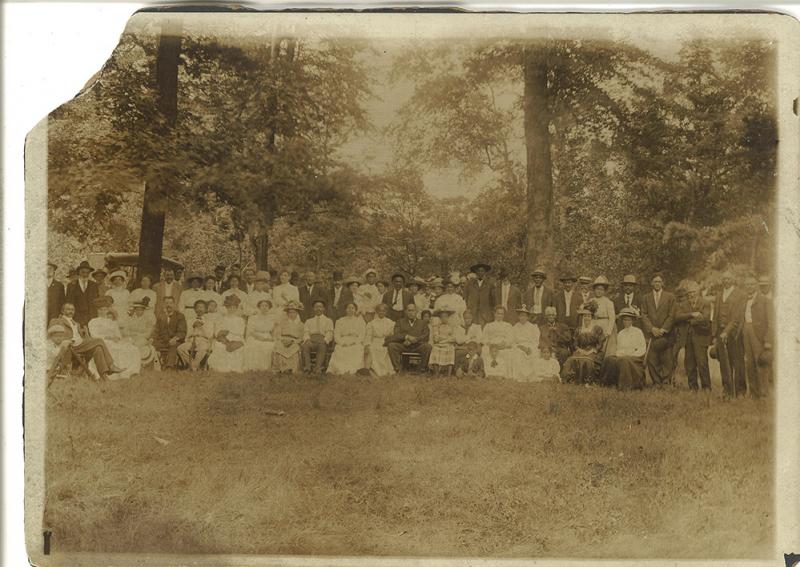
(480, 300)
(165, 330)
(725, 312)
(638, 302)
(388, 300)
(402, 327)
(176, 293)
(695, 326)
(55, 299)
(548, 299)
(514, 296)
(317, 293)
(663, 316)
(338, 310)
(83, 301)
(761, 312)
(561, 307)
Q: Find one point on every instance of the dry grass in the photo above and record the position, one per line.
(411, 466)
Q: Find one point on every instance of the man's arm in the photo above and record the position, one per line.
(180, 327)
(668, 322)
(399, 335)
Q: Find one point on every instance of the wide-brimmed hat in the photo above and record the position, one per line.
(584, 280)
(442, 311)
(53, 329)
(582, 311)
(352, 279)
(118, 274)
(539, 271)
(263, 276)
(630, 278)
(99, 271)
(194, 276)
(370, 271)
(600, 280)
(293, 306)
(104, 301)
(484, 265)
(141, 304)
(398, 275)
(418, 281)
(84, 266)
(523, 309)
(568, 277)
(628, 312)
(231, 299)
(436, 282)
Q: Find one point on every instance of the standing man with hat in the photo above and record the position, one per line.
(370, 296)
(507, 295)
(99, 277)
(755, 319)
(219, 276)
(339, 296)
(585, 289)
(730, 350)
(479, 296)
(695, 312)
(658, 318)
(538, 296)
(82, 294)
(398, 298)
(55, 293)
(630, 297)
(567, 302)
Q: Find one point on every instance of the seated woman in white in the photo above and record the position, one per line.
(144, 290)
(138, 329)
(525, 350)
(348, 335)
(547, 367)
(625, 368)
(124, 353)
(260, 343)
(497, 336)
(120, 294)
(377, 359)
(227, 352)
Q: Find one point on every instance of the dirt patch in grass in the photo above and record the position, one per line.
(185, 463)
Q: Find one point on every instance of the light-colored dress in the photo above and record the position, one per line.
(242, 295)
(188, 299)
(259, 344)
(348, 354)
(211, 295)
(497, 333)
(547, 370)
(287, 358)
(220, 359)
(454, 302)
(121, 297)
(253, 298)
(138, 331)
(523, 366)
(378, 359)
(139, 293)
(443, 338)
(283, 294)
(605, 316)
(125, 354)
(367, 298)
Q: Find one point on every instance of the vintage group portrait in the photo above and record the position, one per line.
(341, 287)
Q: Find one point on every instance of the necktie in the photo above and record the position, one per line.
(628, 300)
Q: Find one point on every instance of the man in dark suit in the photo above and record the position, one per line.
(82, 294)
(169, 333)
(538, 296)
(55, 293)
(658, 317)
(630, 297)
(695, 313)
(556, 335)
(410, 335)
(219, 276)
(507, 295)
(730, 349)
(311, 290)
(478, 295)
(568, 300)
(339, 296)
(754, 318)
(397, 298)
(168, 287)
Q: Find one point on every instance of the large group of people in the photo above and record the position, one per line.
(467, 325)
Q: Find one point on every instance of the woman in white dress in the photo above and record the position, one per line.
(233, 290)
(376, 354)
(421, 299)
(227, 352)
(260, 342)
(443, 342)
(144, 290)
(604, 315)
(284, 293)
(138, 329)
(124, 353)
(525, 349)
(452, 301)
(348, 334)
(368, 295)
(497, 335)
(120, 294)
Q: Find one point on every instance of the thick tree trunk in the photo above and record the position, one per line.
(539, 246)
(151, 239)
(260, 244)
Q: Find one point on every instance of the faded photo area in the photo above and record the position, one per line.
(413, 285)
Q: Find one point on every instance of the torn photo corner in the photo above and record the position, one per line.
(342, 288)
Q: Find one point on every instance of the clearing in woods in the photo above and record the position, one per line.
(199, 463)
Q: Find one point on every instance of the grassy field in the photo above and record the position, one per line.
(177, 462)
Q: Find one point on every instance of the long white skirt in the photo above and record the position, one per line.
(126, 355)
(223, 361)
(378, 359)
(523, 366)
(258, 354)
(503, 368)
(346, 359)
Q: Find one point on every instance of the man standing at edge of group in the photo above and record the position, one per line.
(507, 294)
(754, 318)
(410, 335)
(696, 313)
(339, 296)
(730, 351)
(55, 293)
(567, 302)
(538, 296)
(398, 298)
(658, 314)
(82, 294)
(478, 295)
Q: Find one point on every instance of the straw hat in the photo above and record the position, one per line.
(631, 279)
(601, 280)
(352, 279)
(118, 274)
(263, 276)
(231, 300)
(628, 312)
(293, 306)
(539, 271)
(584, 280)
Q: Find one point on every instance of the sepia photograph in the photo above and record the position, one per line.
(437, 285)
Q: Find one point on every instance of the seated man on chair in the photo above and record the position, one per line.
(198, 337)
(410, 335)
(169, 332)
(83, 346)
(317, 338)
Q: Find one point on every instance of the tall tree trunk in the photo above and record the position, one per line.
(260, 242)
(538, 246)
(151, 238)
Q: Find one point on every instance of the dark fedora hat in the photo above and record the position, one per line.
(568, 277)
(484, 265)
(84, 266)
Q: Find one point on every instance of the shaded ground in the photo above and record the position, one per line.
(409, 466)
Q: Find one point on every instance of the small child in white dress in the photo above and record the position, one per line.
(547, 367)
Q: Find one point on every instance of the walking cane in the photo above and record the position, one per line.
(644, 360)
